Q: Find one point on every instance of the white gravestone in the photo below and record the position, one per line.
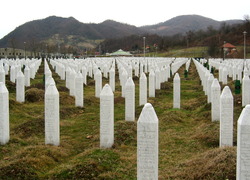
(72, 83)
(124, 80)
(215, 100)
(63, 73)
(79, 90)
(243, 145)
(151, 84)
(47, 73)
(67, 72)
(130, 71)
(136, 70)
(2, 74)
(234, 72)
(20, 87)
(141, 68)
(147, 144)
(177, 92)
(205, 82)
(143, 89)
(105, 71)
(130, 100)
(6, 69)
(4, 114)
(112, 79)
(90, 71)
(13, 74)
(84, 75)
(224, 75)
(98, 83)
(27, 76)
(52, 119)
(106, 117)
(209, 83)
(245, 90)
(226, 117)
(49, 81)
(157, 79)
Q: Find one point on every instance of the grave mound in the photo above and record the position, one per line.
(214, 164)
(34, 95)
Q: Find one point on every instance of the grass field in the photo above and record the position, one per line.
(188, 140)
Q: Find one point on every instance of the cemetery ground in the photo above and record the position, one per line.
(188, 140)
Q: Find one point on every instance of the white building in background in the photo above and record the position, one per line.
(16, 53)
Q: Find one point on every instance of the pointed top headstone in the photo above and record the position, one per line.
(226, 93)
(244, 117)
(106, 91)
(215, 83)
(51, 89)
(130, 82)
(148, 114)
(177, 76)
(20, 74)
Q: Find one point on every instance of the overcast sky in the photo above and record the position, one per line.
(14, 13)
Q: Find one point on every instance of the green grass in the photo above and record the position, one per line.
(186, 136)
(180, 52)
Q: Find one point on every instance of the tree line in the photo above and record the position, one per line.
(212, 38)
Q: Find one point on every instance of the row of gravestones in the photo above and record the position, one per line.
(125, 68)
(222, 106)
(52, 130)
(30, 68)
(147, 123)
(226, 113)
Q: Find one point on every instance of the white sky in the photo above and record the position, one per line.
(14, 13)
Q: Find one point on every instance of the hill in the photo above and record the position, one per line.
(185, 23)
(69, 32)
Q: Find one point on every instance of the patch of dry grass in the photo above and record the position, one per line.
(214, 164)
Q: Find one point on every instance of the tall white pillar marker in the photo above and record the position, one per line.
(245, 90)
(27, 76)
(130, 100)
(226, 117)
(79, 90)
(147, 144)
(215, 100)
(98, 83)
(243, 145)
(143, 89)
(2, 74)
(112, 79)
(4, 114)
(177, 92)
(151, 84)
(20, 87)
(106, 117)
(52, 119)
